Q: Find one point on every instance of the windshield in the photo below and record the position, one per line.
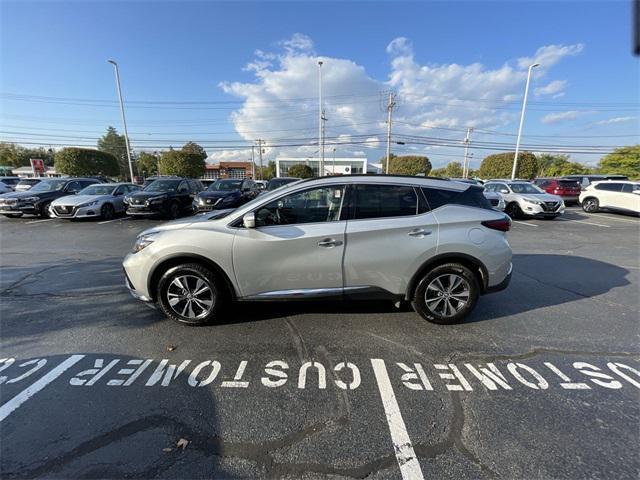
(525, 188)
(225, 185)
(97, 190)
(28, 182)
(162, 186)
(279, 182)
(48, 186)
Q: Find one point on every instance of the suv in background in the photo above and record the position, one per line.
(566, 188)
(225, 193)
(621, 196)
(10, 182)
(586, 180)
(166, 196)
(435, 243)
(524, 199)
(36, 200)
(26, 183)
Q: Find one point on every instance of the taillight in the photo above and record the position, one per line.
(502, 224)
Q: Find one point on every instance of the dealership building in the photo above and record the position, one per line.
(337, 166)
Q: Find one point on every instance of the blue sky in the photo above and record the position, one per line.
(453, 64)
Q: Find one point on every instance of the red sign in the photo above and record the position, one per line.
(37, 164)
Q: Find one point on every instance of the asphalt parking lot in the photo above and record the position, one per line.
(542, 381)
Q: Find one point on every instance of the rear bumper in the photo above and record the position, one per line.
(503, 284)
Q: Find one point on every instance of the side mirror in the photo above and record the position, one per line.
(249, 220)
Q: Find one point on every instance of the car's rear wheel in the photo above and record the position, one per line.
(191, 294)
(590, 205)
(446, 294)
(514, 210)
(107, 211)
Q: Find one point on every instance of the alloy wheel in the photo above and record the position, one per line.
(190, 296)
(447, 294)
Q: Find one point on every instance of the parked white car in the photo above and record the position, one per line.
(524, 199)
(623, 196)
(103, 200)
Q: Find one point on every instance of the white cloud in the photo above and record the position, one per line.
(552, 88)
(549, 55)
(611, 121)
(563, 116)
(432, 98)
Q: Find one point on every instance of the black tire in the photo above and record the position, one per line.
(513, 210)
(173, 211)
(590, 205)
(550, 218)
(186, 310)
(435, 311)
(12, 215)
(107, 212)
(44, 210)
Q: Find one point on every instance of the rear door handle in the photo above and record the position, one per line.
(329, 243)
(419, 232)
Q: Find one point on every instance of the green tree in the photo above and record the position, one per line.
(269, 171)
(181, 163)
(555, 165)
(147, 164)
(9, 155)
(301, 171)
(409, 165)
(83, 161)
(116, 145)
(499, 165)
(17, 156)
(623, 160)
(194, 148)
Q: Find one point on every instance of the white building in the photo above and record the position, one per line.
(337, 166)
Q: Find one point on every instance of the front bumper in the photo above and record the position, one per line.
(145, 210)
(545, 210)
(20, 209)
(135, 268)
(69, 211)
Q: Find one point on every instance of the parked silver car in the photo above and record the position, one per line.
(437, 244)
(102, 200)
(524, 199)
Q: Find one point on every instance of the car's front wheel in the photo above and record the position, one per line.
(174, 211)
(590, 205)
(514, 210)
(191, 294)
(446, 294)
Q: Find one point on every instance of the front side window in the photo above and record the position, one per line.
(309, 206)
(381, 201)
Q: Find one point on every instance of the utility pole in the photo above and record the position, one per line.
(465, 165)
(124, 122)
(390, 104)
(253, 163)
(524, 106)
(320, 122)
(333, 168)
(260, 142)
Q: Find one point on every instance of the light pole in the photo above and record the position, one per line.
(124, 122)
(524, 106)
(320, 120)
(333, 167)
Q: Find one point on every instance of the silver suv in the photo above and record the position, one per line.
(435, 243)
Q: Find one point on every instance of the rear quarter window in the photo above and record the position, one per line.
(471, 197)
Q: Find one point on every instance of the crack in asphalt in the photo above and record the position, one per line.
(26, 277)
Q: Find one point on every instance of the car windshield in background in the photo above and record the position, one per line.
(97, 190)
(279, 182)
(162, 186)
(48, 186)
(225, 185)
(525, 188)
(29, 181)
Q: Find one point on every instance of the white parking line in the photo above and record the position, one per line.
(525, 223)
(31, 390)
(114, 220)
(406, 456)
(39, 221)
(609, 217)
(584, 221)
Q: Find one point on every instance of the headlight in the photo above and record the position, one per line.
(88, 204)
(535, 202)
(30, 199)
(126, 200)
(143, 241)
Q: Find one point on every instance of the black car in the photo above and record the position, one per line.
(166, 196)
(280, 182)
(227, 193)
(36, 200)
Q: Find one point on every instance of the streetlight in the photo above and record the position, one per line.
(334, 162)
(320, 118)
(524, 106)
(124, 122)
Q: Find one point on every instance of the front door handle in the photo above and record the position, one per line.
(329, 243)
(419, 232)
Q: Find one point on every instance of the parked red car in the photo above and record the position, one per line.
(569, 190)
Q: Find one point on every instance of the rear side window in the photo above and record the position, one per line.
(609, 187)
(471, 197)
(380, 201)
(568, 184)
